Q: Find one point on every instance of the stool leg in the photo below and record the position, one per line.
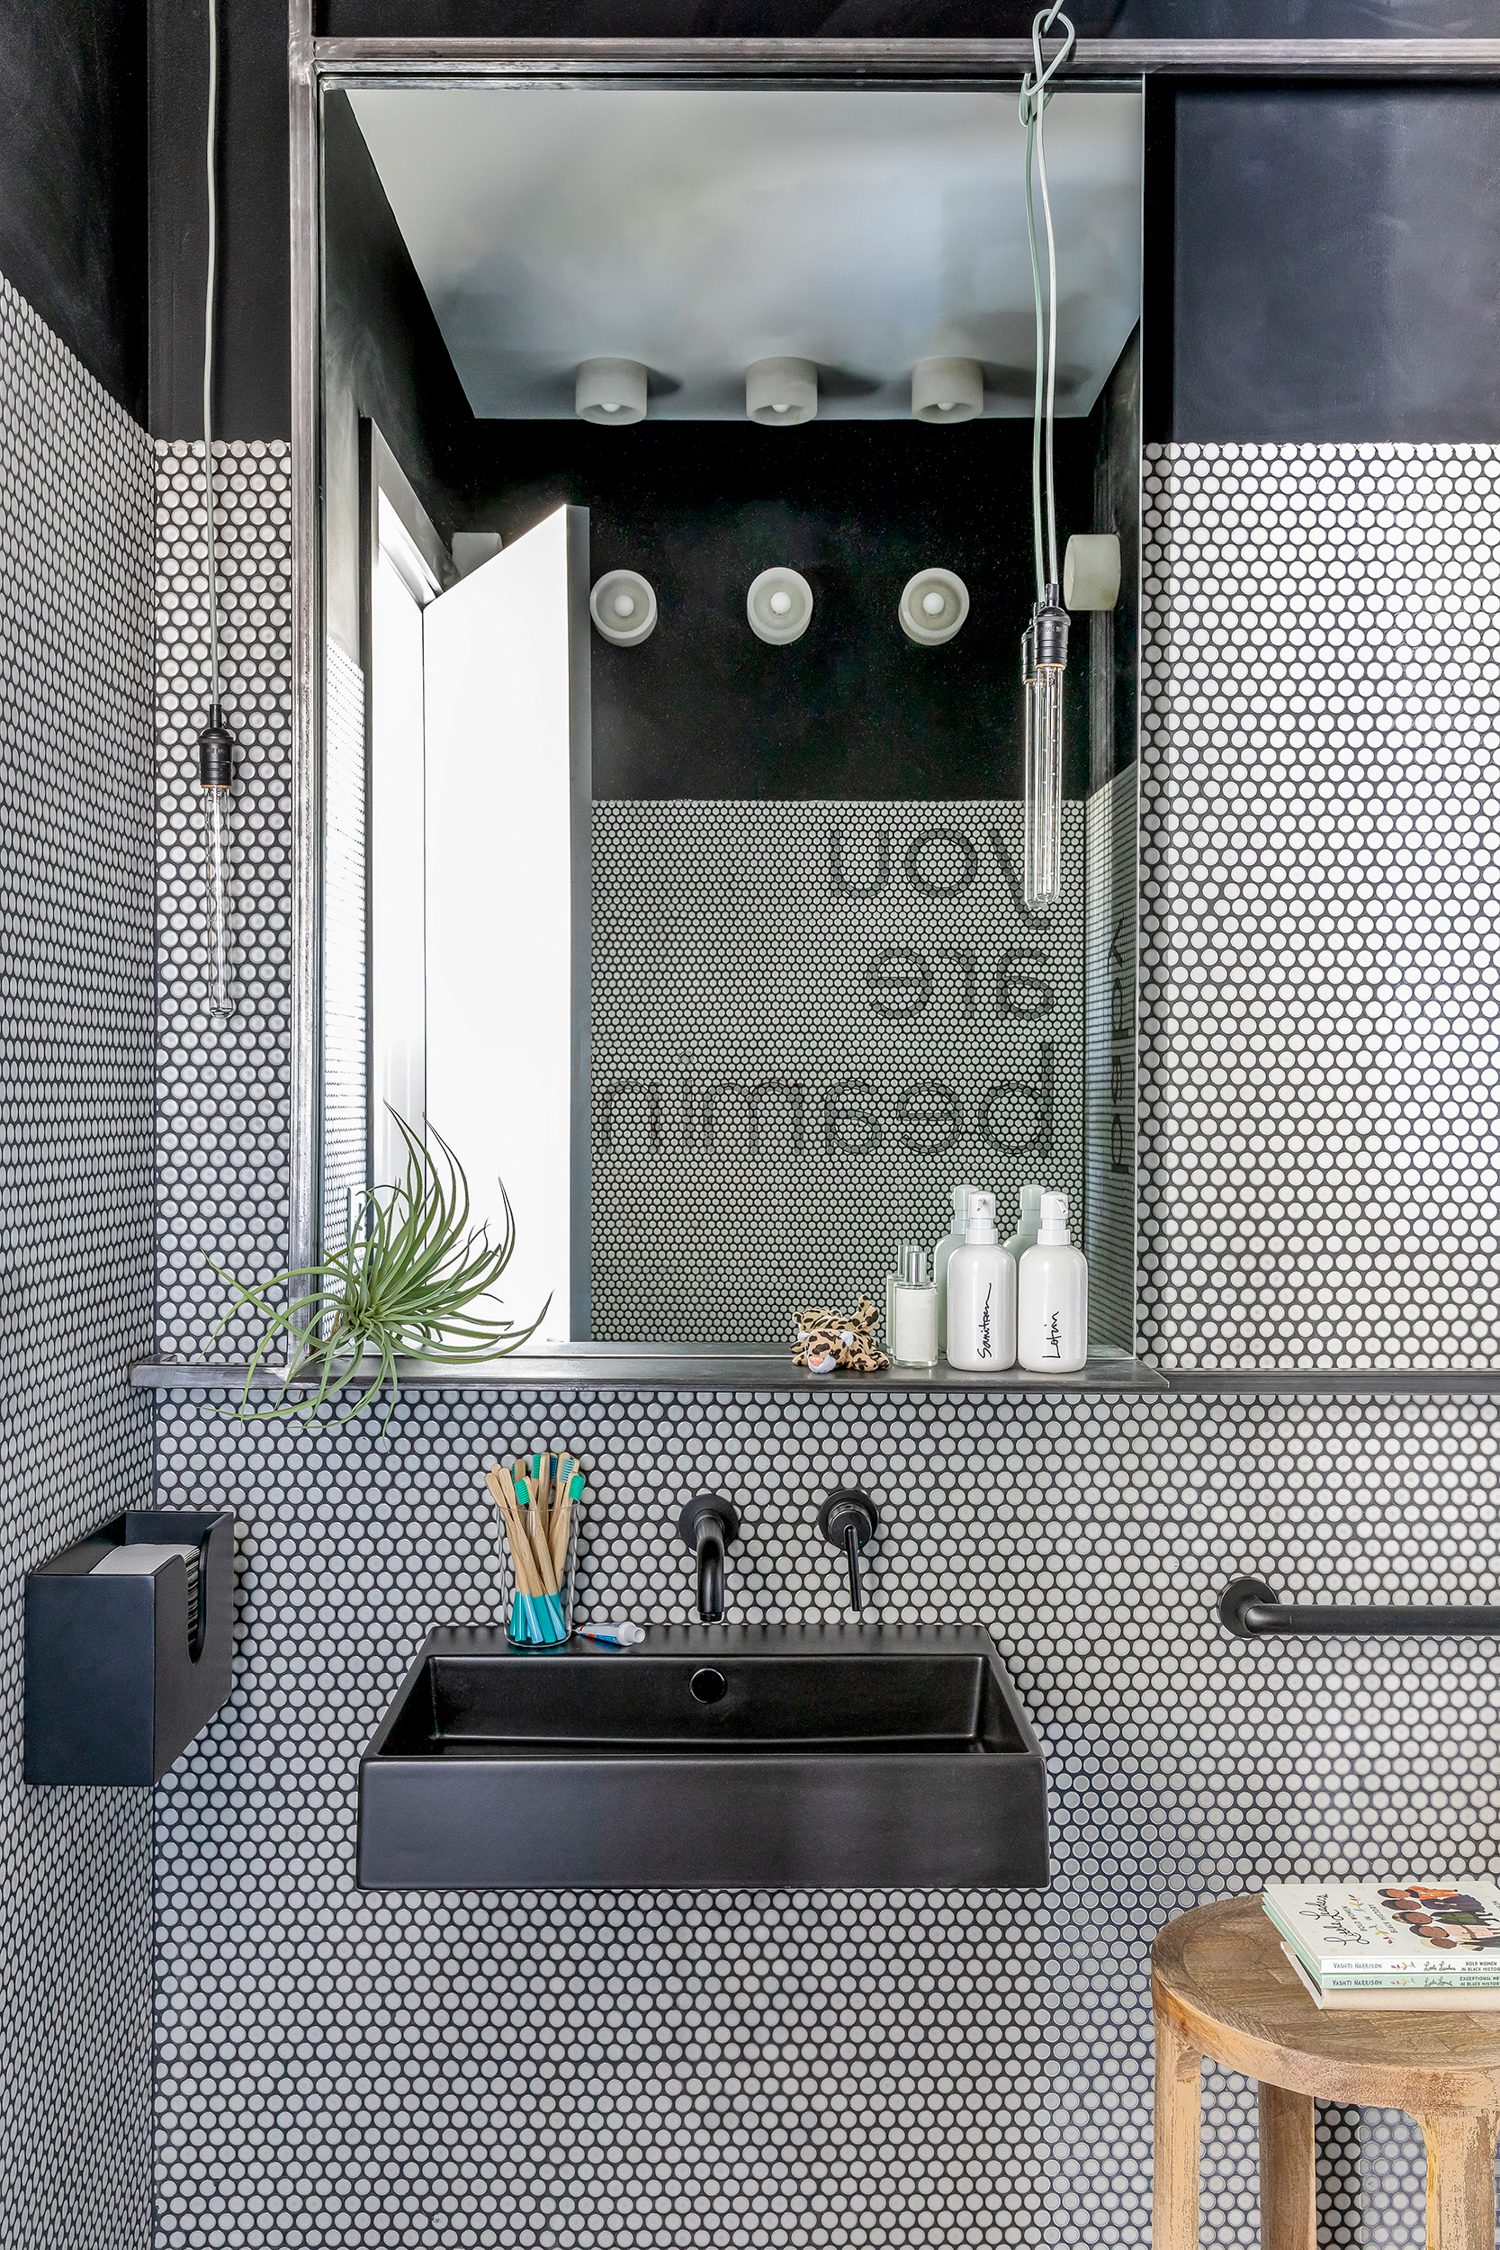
(1288, 2171)
(1179, 2130)
(1460, 2180)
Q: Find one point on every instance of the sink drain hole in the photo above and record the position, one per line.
(708, 1686)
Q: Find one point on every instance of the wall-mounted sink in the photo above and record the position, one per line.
(710, 1757)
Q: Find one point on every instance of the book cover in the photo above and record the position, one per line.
(1441, 1933)
(1379, 1999)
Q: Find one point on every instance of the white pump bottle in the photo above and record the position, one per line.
(1030, 1220)
(1053, 1314)
(982, 1295)
(951, 1241)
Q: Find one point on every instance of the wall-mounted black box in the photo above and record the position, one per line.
(117, 1679)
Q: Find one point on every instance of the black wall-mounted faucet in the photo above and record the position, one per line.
(848, 1519)
(709, 1525)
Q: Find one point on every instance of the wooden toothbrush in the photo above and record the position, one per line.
(530, 1590)
(571, 1488)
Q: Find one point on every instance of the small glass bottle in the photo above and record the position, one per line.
(914, 1337)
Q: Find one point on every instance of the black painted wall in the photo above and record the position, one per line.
(854, 709)
(1334, 264)
(254, 344)
(73, 178)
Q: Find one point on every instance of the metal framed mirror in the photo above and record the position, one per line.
(710, 940)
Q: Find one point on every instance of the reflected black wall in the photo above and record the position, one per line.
(1334, 262)
(854, 709)
(73, 178)
(909, 19)
(700, 19)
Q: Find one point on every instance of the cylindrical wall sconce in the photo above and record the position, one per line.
(933, 606)
(779, 605)
(947, 390)
(623, 607)
(1091, 571)
(781, 392)
(611, 390)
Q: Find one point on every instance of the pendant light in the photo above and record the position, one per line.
(1044, 644)
(216, 744)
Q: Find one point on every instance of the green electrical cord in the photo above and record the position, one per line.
(210, 297)
(1035, 96)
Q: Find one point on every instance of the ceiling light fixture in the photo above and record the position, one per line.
(779, 605)
(623, 607)
(779, 393)
(933, 606)
(1044, 644)
(611, 391)
(947, 390)
(1091, 570)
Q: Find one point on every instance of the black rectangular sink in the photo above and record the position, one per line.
(710, 1757)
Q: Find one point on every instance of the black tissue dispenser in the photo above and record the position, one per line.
(127, 1656)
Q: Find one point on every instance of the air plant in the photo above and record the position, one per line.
(411, 1278)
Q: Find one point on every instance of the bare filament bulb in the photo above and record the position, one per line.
(216, 789)
(1044, 661)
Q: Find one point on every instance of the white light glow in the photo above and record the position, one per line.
(398, 941)
(501, 899)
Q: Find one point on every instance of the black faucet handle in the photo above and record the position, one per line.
(848, 1518)
(711, 1504)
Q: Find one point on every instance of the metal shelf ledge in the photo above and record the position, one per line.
(615, 1368)
(606, 1367)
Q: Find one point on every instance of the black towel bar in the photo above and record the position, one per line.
(1251, 1610)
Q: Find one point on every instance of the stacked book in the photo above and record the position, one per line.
(1392, 1945)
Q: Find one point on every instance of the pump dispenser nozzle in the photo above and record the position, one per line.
(981, 1226)
(1054, 1226)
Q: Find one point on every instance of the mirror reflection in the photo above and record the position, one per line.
(678, 549)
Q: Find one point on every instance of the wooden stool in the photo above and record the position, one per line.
(1222, 1987)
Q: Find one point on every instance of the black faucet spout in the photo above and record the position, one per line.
(710, 1561)
(710, 1526)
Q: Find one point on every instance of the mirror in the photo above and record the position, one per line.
(672, 732)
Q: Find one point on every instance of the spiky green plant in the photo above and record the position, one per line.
(410, 1279)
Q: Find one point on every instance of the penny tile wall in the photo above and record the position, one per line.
(342, 2070)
